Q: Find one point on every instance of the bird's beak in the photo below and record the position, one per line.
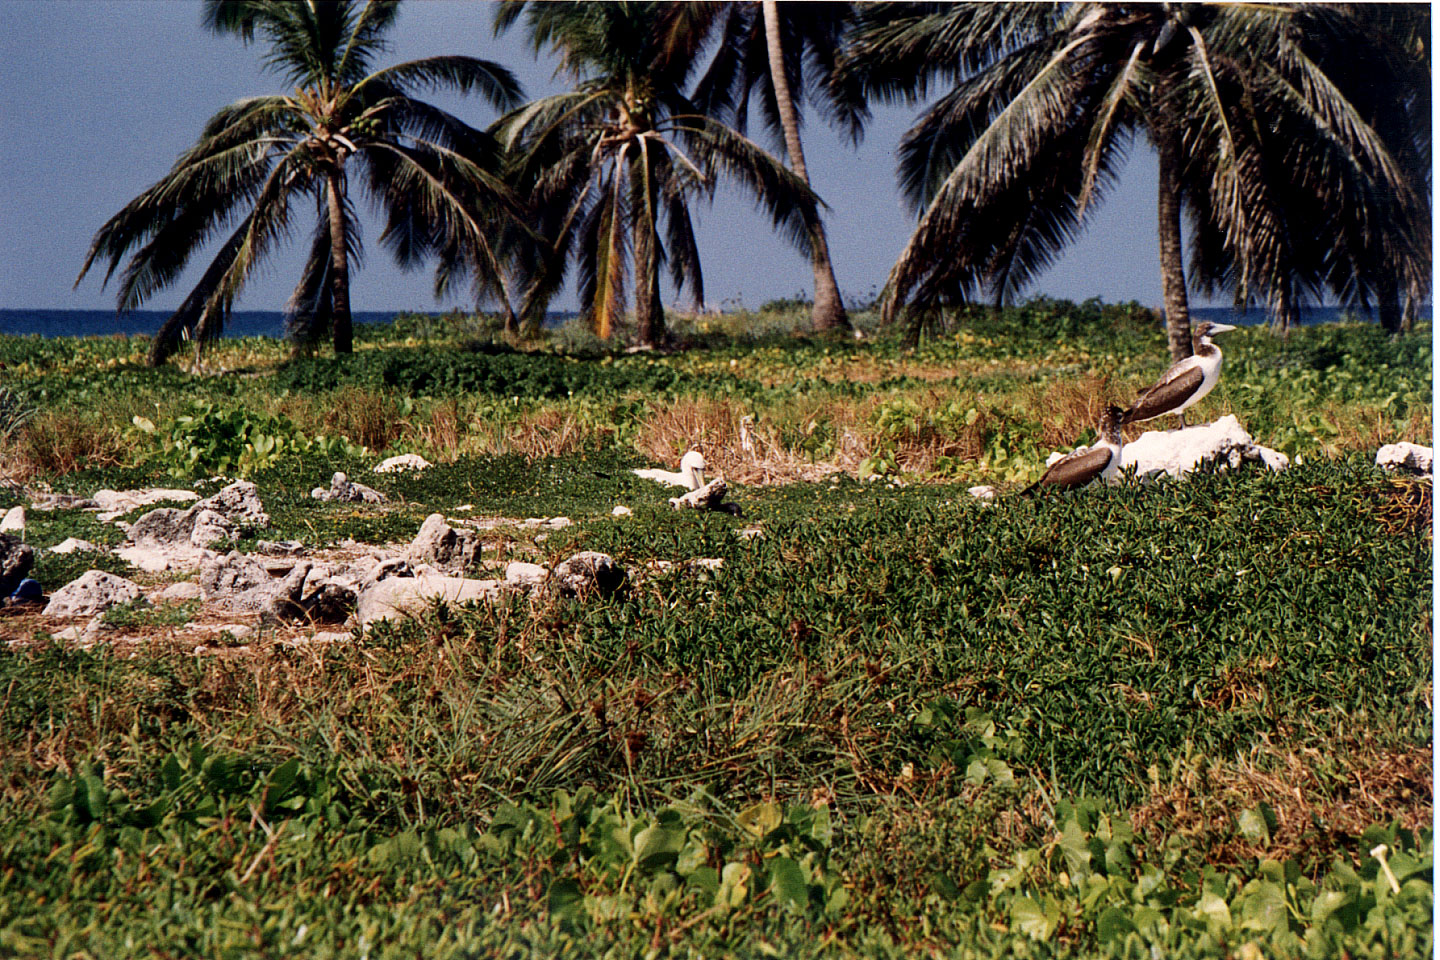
(1221, 327)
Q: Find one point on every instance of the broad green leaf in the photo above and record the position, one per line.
(170, 772)
(1263, 907)
(281, 780)
(1253, 827)
(1076, 850)
(788, 882)
(565, 901)
(1113, 924)
(1213, 910)
(941, 883)
(1030, 917)
(761, 819)
(658, 846)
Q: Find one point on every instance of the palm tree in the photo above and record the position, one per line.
(780, 52)
(436, 178)
(609, 164)
(1046, 98)
(1318, 222)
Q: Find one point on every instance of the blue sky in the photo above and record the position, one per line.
(101, 95)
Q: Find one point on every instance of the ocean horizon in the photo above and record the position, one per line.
(271, 323)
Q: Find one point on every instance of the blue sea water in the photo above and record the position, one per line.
(270, 323)
(1309, 316)
(106, 323)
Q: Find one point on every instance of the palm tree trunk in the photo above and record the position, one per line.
(1389, 306)
(339, 263)
(1409, 316)
(1285, 313)
(1172, 259)
(828, 312)
(649, 312)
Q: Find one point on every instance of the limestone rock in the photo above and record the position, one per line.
(622, 511)
(93, 593)
(113, 503)
(231, 574)
(71, 544)
(443, 545)
(182, 590)
(240, 504)
(1177, 452)
(406, 461)
(15, 561)
(62, 501)
(343, 490)
(527, 575)
(152, 557)
(1410, 457)
(221, 517)
(399, 597)
(13, 521)
(164, 525)
(588, 572)
(984, 492)
(707, 497)
(209, 527)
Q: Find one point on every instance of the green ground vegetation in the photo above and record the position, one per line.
(1171, 720)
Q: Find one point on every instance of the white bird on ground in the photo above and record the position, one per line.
(1185, 383)
(691, 475)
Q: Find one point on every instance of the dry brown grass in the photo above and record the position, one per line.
(62, 441)
(748, 449)
(1318, 799)
(370, 419)
(1403, 506)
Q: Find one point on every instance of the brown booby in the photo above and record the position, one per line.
(1185, 383)
(1101, 461)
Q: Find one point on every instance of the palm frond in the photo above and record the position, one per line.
(495, 83)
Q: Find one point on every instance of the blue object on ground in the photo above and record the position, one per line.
(28, 590)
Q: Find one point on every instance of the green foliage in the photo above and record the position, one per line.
(141, 613)
(237, 441)
(857, 737)
(415, 372)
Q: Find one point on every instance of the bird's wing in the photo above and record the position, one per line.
(1076, 470)
(1174, 389)
(663, 476)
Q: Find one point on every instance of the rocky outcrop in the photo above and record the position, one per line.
(400, 597)
(587, 573)
(72, 544)
(1223, 443)
(16, 559)
(239, 583)
(231, 574)
(115, 503)
(405, 461)
(93, 593)
(525, 575)
(344, 490)
(708, 497)
(172, 539)
(442, 545)
(13, 521)
(1405, 457)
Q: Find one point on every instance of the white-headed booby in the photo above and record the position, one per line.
(691, 475)
(1101, 461)
(1185, 383)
